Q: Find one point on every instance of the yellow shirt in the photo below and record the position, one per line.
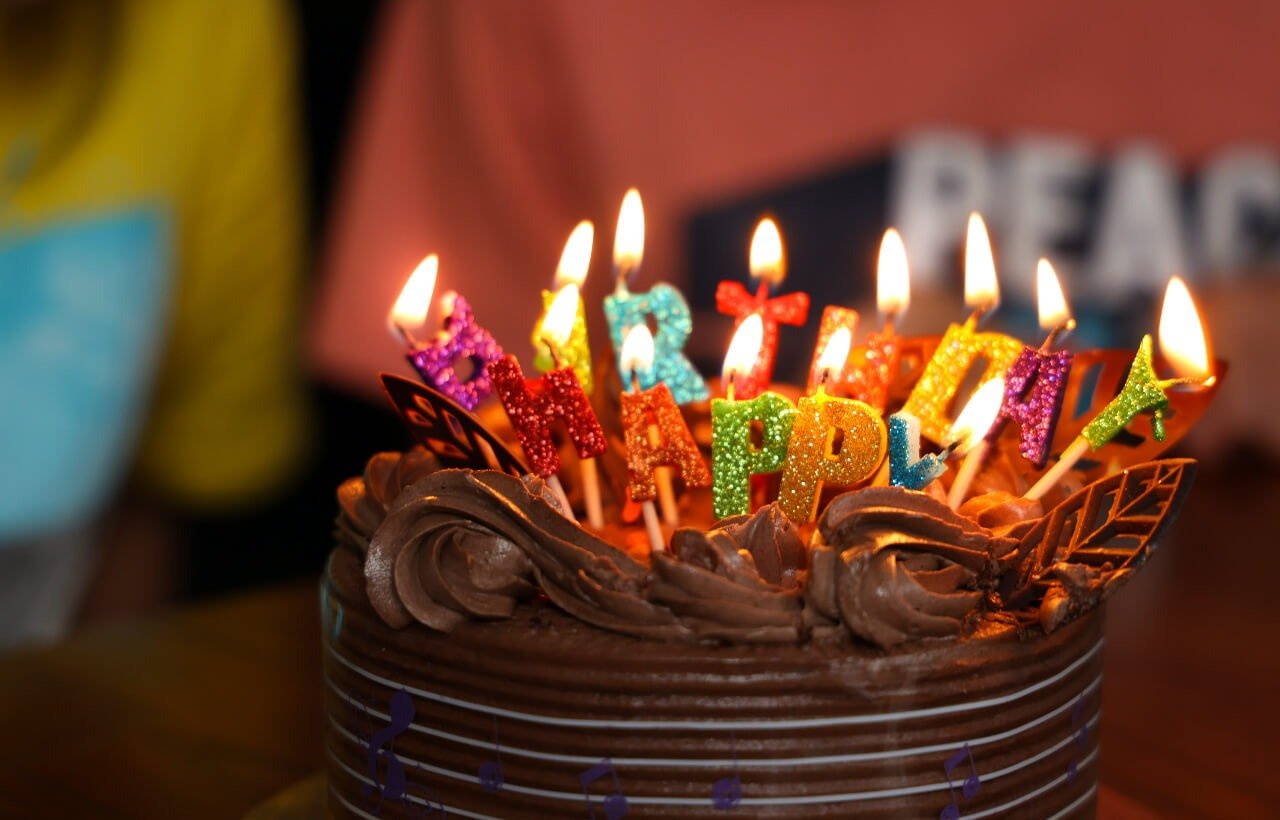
(170, 123)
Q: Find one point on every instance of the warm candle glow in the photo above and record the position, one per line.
(835, 355)
(558, 324)
(981, 290)
(637, 351)
(768, 259)
(744, 349)
(1054, 311)
(893, 282)
(628, 240)
(410, 310)
(978, 415)
(1182, 336)
(575, 260)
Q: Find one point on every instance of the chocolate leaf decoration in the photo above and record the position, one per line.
(448, 430)
(1111, 525)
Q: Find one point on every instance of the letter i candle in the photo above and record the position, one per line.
(575, 261)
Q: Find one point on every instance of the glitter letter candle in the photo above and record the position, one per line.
(874, 367)
(533, 404)
(834, 318)
(656, 407)
(1035, 385)
(960, 347)
(907, 468)
(733, 459)
(810, 463)
(768, 264)
(625, 310)
(460, 338)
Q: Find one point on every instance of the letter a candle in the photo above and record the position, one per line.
(657, 438)
(461, 338)
(810, 463)
(733, 457)
(1183, 341)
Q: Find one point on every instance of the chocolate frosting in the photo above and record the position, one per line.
(886, 565)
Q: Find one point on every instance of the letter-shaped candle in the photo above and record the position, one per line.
(1036, 382)
(810, 462)
(575, 261)
(624, 310)
(460, 338)
(769, 265)
(907, 468)
(533, 404)
(733, 458)
(656, 434)
(962, 345)
(1182, 339)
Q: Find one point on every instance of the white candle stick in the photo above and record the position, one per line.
(968, 435)
(591, 492)
(558, 490)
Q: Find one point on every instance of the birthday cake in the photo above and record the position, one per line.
(897, 639)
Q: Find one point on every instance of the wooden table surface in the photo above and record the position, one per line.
(210, 711)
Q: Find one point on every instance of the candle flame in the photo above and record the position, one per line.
(744, 349)
(978, 415)
(981, 290)
(835, 355)
(893, 279)
(575, 260)
(637, 351)
(557, 325)
(628, 239)
(768, 259)
(1182, 336)
(1054, 311)
(410, 310)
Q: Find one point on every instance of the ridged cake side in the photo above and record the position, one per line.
(544, 703)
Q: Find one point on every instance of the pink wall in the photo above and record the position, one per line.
(488, 129)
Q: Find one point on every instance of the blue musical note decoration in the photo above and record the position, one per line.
(970, 788)
(615, 805)
(1081, 730)
(393, 782)
(726, 793)
(491, 772)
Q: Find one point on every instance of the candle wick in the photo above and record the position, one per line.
(890, 319)
(728, 390)
(407, 336)
(551, 348)
(1057, 333)
(948, 451)
(635, 382)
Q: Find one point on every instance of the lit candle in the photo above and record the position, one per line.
(670, 312)
(657, 438)
(875, 366)
(968, 437)
(575, 261)
(962, 345)
(733, 457)
(810, 463)
(769, 265)
(460, 338)
(1036, 382)
(1182, 339)
(533, 404)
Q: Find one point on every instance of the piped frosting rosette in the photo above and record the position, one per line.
(886, 565)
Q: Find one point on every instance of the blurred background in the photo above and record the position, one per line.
(207, 208)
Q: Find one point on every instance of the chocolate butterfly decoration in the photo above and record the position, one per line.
(1110, 526)
(440, 424)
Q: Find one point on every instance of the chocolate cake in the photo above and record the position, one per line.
(486, 656)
